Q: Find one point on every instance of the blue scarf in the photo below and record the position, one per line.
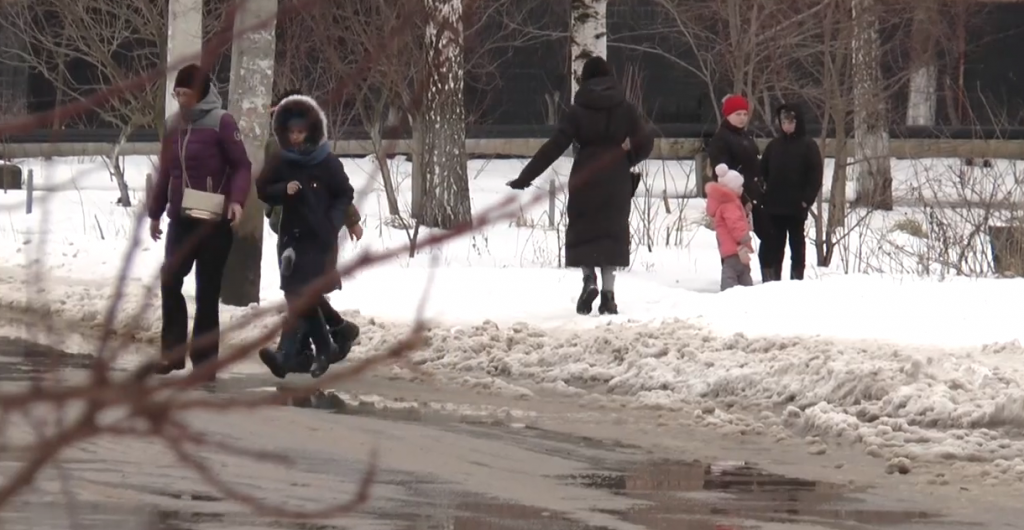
(306, 157)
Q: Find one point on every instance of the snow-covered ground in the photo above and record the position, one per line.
(922, 367)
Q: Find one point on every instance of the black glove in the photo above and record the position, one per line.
(517, 184)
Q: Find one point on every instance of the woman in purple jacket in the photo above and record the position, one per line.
(203, 168)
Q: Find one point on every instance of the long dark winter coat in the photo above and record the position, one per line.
(600, 185)
(792, 169)
(737, 149)
(311, 218)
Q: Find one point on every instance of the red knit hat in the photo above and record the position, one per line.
(734, 104)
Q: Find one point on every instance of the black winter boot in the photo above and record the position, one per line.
(343, 336)
(323, 360)
(286, 358)
(325, 350)
(769, 274)
(164, 367)
(608, 305)
(347, 331)
(585, 303)
(796, 272)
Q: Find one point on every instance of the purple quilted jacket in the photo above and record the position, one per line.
(205, 147)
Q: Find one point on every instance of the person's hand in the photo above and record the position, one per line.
(234, 213)
(155, 231)
(626, 145)
(293, 187)
(355, 232)
(749, 207)
(517, 184)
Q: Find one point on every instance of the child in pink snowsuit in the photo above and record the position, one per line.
(732, 228)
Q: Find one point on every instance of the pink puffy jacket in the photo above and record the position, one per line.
(731, 226)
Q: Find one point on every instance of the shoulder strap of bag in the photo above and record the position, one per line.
(182, 145)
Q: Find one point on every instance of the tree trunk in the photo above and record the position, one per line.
(924, 74)
(184, 40)
(871, 131)
(252, 80)
(445, 180)
(380, 121)
(589, 33)
(117, 170)
(417, 151)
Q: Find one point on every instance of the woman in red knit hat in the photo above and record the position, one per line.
(734, 146)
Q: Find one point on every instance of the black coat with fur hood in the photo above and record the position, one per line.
(312, 217)
(792, 168)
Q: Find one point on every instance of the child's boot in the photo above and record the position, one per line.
(284, 360)
(344, 337)
(325, 348)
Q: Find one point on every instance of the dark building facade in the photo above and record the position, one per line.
(522, 76)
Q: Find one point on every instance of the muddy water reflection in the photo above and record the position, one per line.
(700, 496)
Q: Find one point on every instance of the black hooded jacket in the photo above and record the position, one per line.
(737, 149)
(792, 168)
(599, 121)
(312, 216)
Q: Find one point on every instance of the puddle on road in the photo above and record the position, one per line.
(672, 495)
(21, 360)
(697, 495)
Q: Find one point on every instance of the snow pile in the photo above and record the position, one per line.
(919, 404)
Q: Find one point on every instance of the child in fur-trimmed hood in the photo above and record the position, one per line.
(310, 185)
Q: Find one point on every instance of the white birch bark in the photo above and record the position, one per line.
(922, 99)
(871, 166)
(445, 180)
(184, 43)
(252, 81)
(589, 35)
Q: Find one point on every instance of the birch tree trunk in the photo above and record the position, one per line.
(924, 74)
(589, 34)
(444, 178)
(184, 41)
(252, 81)
(871, 131)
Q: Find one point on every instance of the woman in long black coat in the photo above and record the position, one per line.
(311, 186)
(600, 121)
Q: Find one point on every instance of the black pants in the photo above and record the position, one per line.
(331, 316)
(762, 226)
(773, 248)
(206, 245)
(313, 323)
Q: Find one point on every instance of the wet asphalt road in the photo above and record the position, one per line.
(575, 483)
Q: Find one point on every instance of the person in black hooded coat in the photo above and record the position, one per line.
(311, 186)
(793, 171)
(612, 138)
(343, 332)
